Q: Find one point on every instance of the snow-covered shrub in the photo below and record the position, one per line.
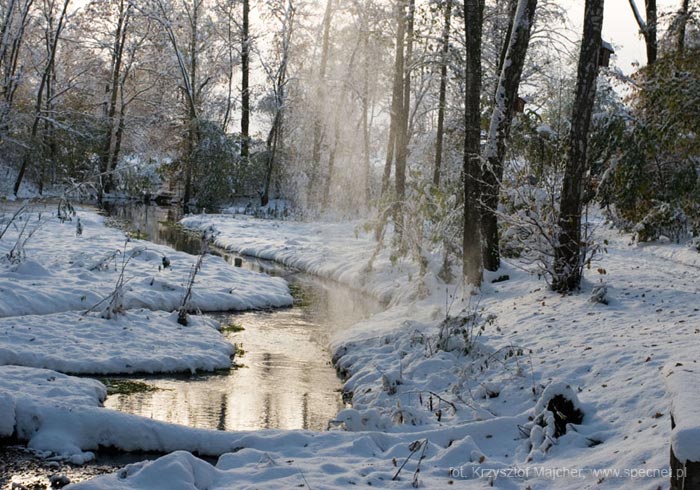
(134, 177)
(391, 382)
(459, 333)
(557, 408)
(653, 184)
(529, 216)
(600, 294)
(662, 220)
(431, 226)
(216, 158)
(529, 220)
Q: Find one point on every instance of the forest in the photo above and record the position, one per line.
(474, 231)
(457, 124)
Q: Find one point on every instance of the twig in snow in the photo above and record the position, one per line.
(184, 306)
(415, 481)
(14, 217)
(305, 481)
(413, 447)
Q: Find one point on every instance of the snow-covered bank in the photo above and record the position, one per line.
(610, 355)
(335, 251)
(465, 385)
(139, 341)
(60, 414)
(62, 270)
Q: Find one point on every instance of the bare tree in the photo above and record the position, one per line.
(188, 70)
(396, 95)
(442, 103)
(43, 92)
(320, 96)
(245, 82)
(278, 77)
(403, 134)
(568, 256)
(14, 24)
(472, 266)
(112, 90)
(512, 65)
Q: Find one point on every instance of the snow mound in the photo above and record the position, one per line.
(64, 272)
(28, 394)
(683, 384)
(139, 341)
(340, 252)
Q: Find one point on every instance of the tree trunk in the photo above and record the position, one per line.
(447, 5)
(568, 256)
(402, 135)
(245, 84)
(512, 8)
(320, 97)
(499, 130)
(11, 39)
(397, 94)
(230, 50)
(647, 27)
(651, 35)
(113, 90)
(272, 143)
(118, 136)
(274, 139)
(332, 156)
(49, 145)
(193, 123)
(365, 120)
(5, 28)
(471, 253)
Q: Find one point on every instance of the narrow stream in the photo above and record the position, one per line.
(284, 378)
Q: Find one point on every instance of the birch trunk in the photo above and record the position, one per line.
(499, 129)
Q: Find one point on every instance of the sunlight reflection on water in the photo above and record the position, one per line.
(286, 380)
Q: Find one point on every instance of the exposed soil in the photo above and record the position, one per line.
(19, 465)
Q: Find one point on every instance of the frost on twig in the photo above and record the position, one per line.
(185, 304)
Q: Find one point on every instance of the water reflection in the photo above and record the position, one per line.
(156, 224)
(285, 379)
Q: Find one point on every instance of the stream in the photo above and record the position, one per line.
(282, 377)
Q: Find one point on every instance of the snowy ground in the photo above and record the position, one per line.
(610, 355)
(62, 271)
(139, 341)
(340, 252)
(56, 285)
(473, 420)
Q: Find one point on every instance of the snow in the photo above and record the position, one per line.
(139, 341)
(476, 400)
(609, 356)
(27, 395)
(64, 272)
(335, 251)
(683, 384)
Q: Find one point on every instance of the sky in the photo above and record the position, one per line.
(620, 28)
